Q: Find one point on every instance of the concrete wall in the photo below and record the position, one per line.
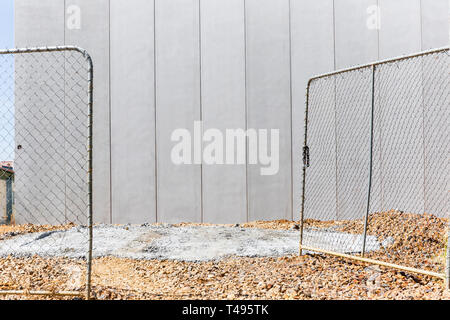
(3, 200)
(162, 64)
(35, 24)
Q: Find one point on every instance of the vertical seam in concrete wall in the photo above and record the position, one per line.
(64, 21)
(14, 24)
(378, 29)
(421, 24)
(423, 137)
(334, 35)
(335, 116)
(109, 116)
(380, 116)
(154, 106)
(200, 102)
(381, 166)
(65, 142)
(290, 110)
(246, 112)
(423, 108)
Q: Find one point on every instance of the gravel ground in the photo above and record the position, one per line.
(181, 243)
(293, 277)
(421, 243)
(418, 241)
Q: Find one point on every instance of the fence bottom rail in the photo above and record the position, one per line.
(42, 293)
(376, 262)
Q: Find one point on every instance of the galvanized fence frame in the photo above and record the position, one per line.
(89, 142)
(306, 163)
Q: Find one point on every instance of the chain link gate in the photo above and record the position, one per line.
(376, 165)
(46, 99)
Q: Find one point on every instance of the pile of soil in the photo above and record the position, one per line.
(419, 240)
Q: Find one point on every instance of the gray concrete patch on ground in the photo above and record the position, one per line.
(187, 243)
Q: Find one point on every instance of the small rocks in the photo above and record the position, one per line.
(417, 240)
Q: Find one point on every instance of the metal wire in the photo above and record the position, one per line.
(46, 102)
(376, 174)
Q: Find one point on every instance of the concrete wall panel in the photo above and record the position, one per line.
(223, 104)
(269, 103)
(353, 118)
(356, 33)
(177, 106)
(400, 30)
(356, 43)
(312, 53)
(436, 134)
(320, 192)
(232, 64)
(93, 35)
(435, 15)
(133, 112)
(397, 135)
(38, 24)
(39, 164)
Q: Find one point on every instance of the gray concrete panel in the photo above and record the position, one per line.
(400, 31)
(312, 53)
(435, 16)
(320, 192)
(93, 35)
(398, 137)
(436, 102)
(223, 104)
(269, 103)
(38, 23)
(76, 115)
(356, 33)
(177, 106)
(353, 118)
(133, 112)
(202, 73)
(39, 115)
(356, 43)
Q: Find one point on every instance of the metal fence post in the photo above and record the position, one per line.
(305, 165)
(366, 218)
(90, 165)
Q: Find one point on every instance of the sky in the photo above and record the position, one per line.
(6, 23)
(6, 81)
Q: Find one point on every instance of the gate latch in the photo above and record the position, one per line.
(306, 156)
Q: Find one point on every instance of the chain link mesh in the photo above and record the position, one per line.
(45, 102)
(396, 114)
